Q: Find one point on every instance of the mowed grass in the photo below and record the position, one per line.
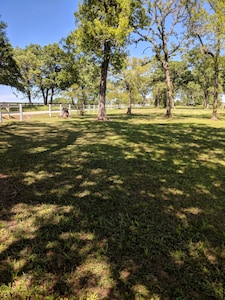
(131, 208)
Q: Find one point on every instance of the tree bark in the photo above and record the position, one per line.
(169, 99)
(52, 94)
(144, 100)
(45, 96)
(157, 98)
(216, 71)
(128, 88)
(206, 94)
(29, 96)
(102, 91)
(216, 85)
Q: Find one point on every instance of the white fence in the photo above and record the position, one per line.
(17, 109)
(10, 109)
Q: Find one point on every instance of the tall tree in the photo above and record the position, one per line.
(129, 80)
(158, 84)
(51, 60)
(103, 30)
(135, 79)
(50, 71)
(223, 73)
(202, 71)
(27, 61)
(9, 71)
(163, 29)
(207, 18)
(45, 70)
(84, 71)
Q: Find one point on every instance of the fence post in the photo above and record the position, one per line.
(8, 111)
(0, 114)
(21, 112)
(50, 110)
(60, 110)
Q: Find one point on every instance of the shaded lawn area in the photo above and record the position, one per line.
(127, 209)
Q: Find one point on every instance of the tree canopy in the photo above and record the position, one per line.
(186, 55)
(9, 71)
(103, 28)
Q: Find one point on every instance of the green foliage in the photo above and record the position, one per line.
(9, 71)
(27, 61)
(103, 28)
(61, 100)
(100, 21)
(165, 35)
(207, 25)
(86, 86)
(45, 70)
(134, 80)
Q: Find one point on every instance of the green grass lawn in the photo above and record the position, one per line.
(132, 208)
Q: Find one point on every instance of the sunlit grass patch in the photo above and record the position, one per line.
(92, 278)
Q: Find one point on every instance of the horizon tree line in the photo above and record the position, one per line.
(96, 54)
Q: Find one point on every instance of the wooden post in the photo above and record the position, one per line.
(60, 110)
(50, 110)
(0, 114)
(8, 111)
(21, 112)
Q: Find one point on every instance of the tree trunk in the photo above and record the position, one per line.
(216, 70)
(102, 91)
(157, 99)
(169, 99)
(52, 94)
(129, 97)
(83, 101)
(45, 96)
(144, 100)
(130, 101)
(216, 85)
(206, 94)
(29, 96)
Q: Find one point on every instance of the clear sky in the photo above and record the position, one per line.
(38, 22)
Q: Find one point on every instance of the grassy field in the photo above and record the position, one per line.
(132, 208)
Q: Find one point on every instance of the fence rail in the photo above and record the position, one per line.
(20, 109)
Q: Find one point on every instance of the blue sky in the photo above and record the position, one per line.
(38, 22)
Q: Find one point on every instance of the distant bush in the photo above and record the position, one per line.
(61, 100)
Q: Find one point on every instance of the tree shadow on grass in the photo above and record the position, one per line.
(113, 210)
